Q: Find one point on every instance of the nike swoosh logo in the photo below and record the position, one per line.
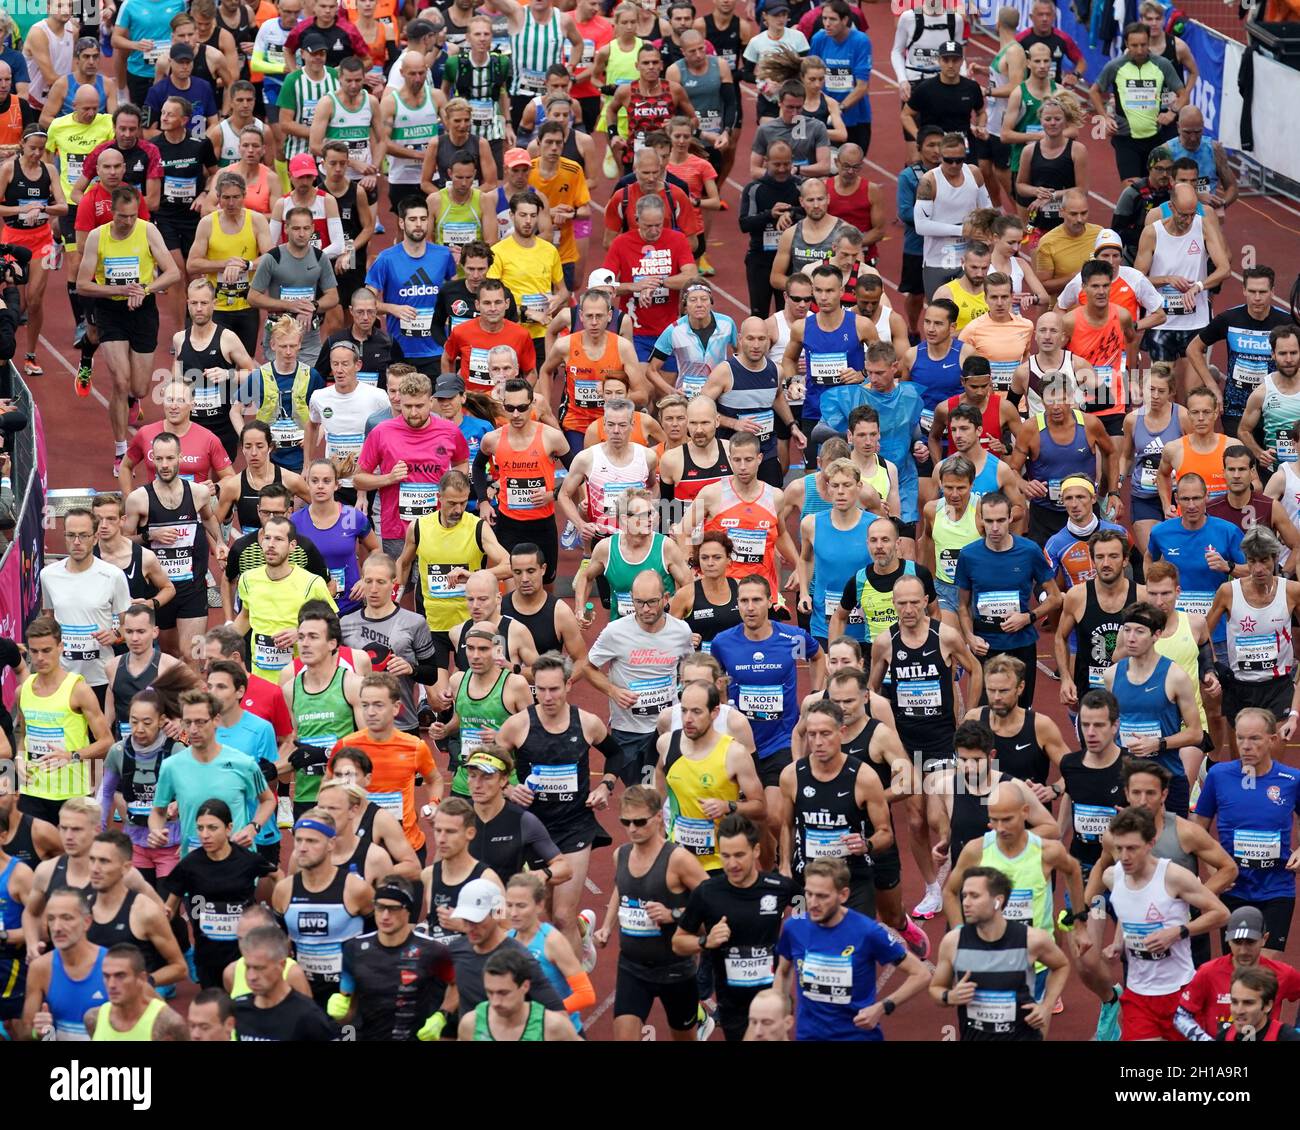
(1025, 746)
(841, 794)
(926, 654)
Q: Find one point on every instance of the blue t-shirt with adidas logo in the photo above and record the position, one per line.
(402, 280)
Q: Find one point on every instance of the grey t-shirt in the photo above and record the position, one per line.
(469, 975)
(283, 275)
(645, 662)
(803, 137)
(404, 634)
(1139, 87)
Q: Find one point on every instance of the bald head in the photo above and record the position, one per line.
(481, 584)
(647, 585)
(86, 98)
(1183, 197)
(1075, 198)
(1006, 799)
(752, 325)
(850, 154)
(1189, 117)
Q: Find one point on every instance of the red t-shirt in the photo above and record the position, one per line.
(146, 149)
(469, 342)
(201, 452)
(1207, 995)
(96, 208)
(620, 212)
(631, 258)
(266, 700)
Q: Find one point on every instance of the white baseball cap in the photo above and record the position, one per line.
(478, 898)
(601, 276)
(1108, 237)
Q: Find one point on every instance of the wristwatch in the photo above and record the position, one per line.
(890, 1005)
(944, 997)
(731, 806)
(1183, 932)
(74, 756)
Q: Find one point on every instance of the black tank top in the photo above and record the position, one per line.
(540, 623)
(356, 862)
(349, 213)
(503, 630)
(1095, 796)
(126, 686)
(366, 825)
(1020, 755)
(211, 398)
(244, 31)
(1004, 984)
(449, 153)
(446, 894)
(860, 748)
(644, 948)
(1095, 634)
(24, 190)
(201, 60)
(118, 930)
(699, 476)
(726, 42)
(822, 113)
(921, 688)
(708, 619)
(21, 845)
(1051, 172)
(824, 811)
(570, 149)
(246, 505)
(180, 562)
(59, 878)
(562, 764)
(136, 585)
(969, 819)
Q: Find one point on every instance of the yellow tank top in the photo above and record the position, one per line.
(969, 306)
(139, 1032)
(123, 261)
(52, 727)
(878, 480)
(689, 782)
(438, 551)
(1180, 648)
(242, 245)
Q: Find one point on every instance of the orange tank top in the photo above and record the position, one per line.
(583, 400)
(638, 430)
(11, 123)
(1209, 466)
(1121, 294)
(1103, 348)
(753, 529)
(520, 473)
(257, 195)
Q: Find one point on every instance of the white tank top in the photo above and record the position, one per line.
(1182, 256)
(607, 480)
(1034, 400)
(719, 723)
(352, 127)
(412, 129)
(778, 351)
(882, 322)
(230, 139)
(1259, 639)
(1290, 499)
(951, 206)
(1143, 911)
(60, 59)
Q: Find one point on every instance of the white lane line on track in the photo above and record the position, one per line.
(68, 365)
(590, 1019)
(595, 890)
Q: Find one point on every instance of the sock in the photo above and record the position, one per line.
(74, 300)
(119, 447)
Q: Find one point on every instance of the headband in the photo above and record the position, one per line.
(482, 760)
(396, 894)
(1080, 480)
(315, 826)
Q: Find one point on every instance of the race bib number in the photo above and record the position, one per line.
(623, 602)
(927, 420)
(437, 584)
(1176, 301)
(179, 190)
(72, 167)
(827, 978)
(1257, 653)
(748, 546)
(761, 702)
(79, 643)
(825, 368)
(267, 655)
(634, 921)
(1020, 906)
(771, 238)
(766, 422)
(841, 82)
(1135, 939)
(586, 394)
(482, 111)
(1256, 850)
(390, 803)
(154, 54)
(919, 694)
(521, 493)
(120, 270)
(694, 835)
(458, 233)
(653, 694)
(1091, 820)
(532, 81)
(748, 967)
(419, 326)
(994, 1007)
(207, 399)
(286, 433)
(1284, 445)
(1132, 729)
(554, 782)
(1196, 603)
(325, 961)
(1002, 372)
(1146, 480)
(218, 926)
(824, 843)
(994, 607)
(414, 500)
(1140, 95)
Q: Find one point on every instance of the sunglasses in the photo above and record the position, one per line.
(954, 160)
(799, 297)
(635, 821)
(516, 407)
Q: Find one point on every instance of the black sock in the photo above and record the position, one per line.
(74, 300)
(88, 348)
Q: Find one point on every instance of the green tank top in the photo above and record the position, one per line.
(878, 480)
(239, 980)
(1031, 897)
(949, 539)
(476, 715)
(878, 612)
(458, 224)
(1028, 123)
(139, 1032)
(319, 720)
(620, 573)
(620, 69)
(534, 1027)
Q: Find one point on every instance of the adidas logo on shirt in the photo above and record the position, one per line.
(423, 285)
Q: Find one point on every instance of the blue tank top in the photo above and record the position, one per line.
(13, 968)
(813, 503)
(1148, 445)
(935, 380)
(1057, 460)
(69, 1000)
(72, 93)
(837, 556)
(537, 947)
(1207, 176)
(751, 397)
(1145, 710)
(827, 353)
(319, 924)
(986, 482)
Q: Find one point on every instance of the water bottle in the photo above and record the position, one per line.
(534, 783)
(570, 538)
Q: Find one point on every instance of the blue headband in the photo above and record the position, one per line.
(315, 826)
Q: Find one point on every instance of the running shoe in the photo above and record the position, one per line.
(31, 368)
(81, 382)
(917, 940)
(1108, 1020)
(929, 906)
(569, 538)
(284, 812)
(379, 227)
(1058, 1007)
(586, 928)
(610, 167)
(705, 1023)
(706, 268)
(134, 411)
(117, 464)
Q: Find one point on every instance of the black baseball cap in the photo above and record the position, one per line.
(951, 49)
(314, 40)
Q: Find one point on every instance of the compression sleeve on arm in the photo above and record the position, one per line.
(1185, 1022)
(730, 106)
(614, 756)
(479, 476)
(1204, 660)
(426, 671)
(277, 232)
(583, 995)
(335, 227)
